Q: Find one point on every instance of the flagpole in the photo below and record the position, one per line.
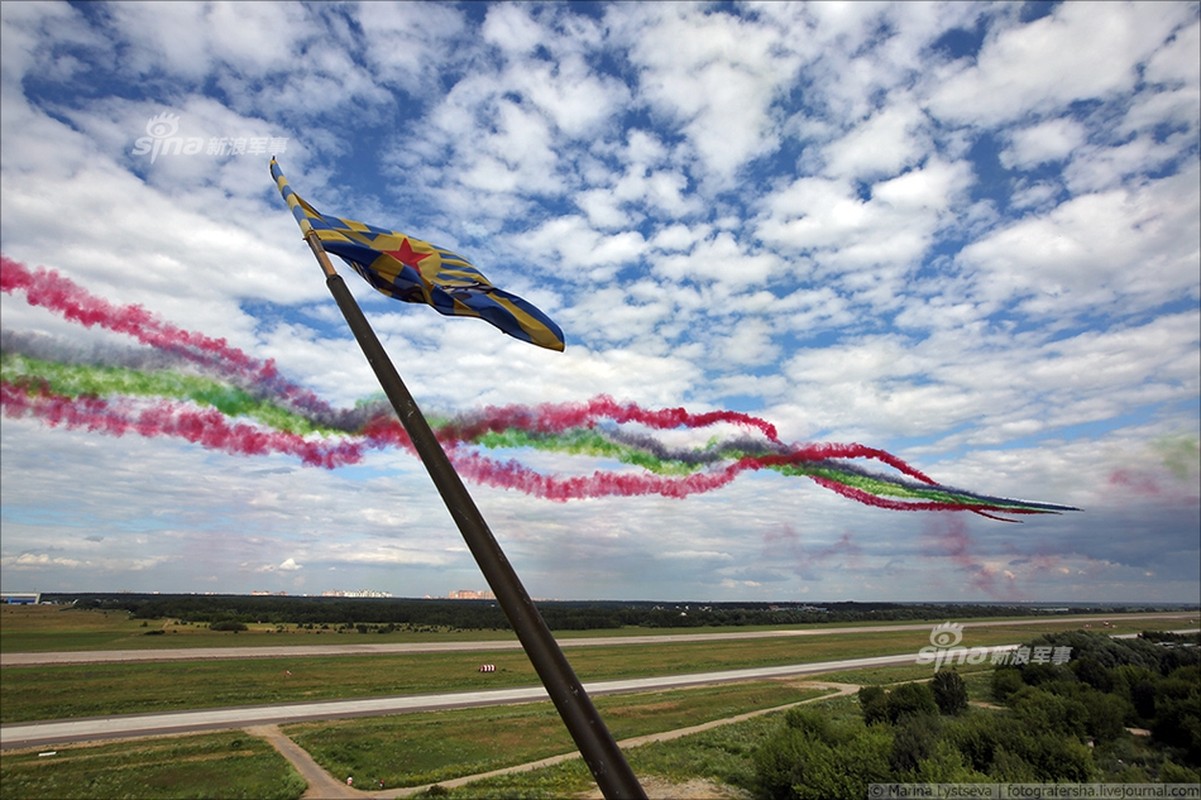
(604, 758)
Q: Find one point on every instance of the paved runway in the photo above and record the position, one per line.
(341, 649)
(63, 731)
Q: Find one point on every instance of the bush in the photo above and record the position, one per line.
(912, 743)
(950, 692)
(1106, 715)
(873, 702)
(1043, 711)
(1006, 681)
(227, 625)
(799, 763)
(911, 700)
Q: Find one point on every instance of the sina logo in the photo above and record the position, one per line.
(946, 634)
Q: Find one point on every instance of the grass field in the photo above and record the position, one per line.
(57, 692)
(418, 748)
(721, 755)
(230, 764)
(45, 628)
(415, 749)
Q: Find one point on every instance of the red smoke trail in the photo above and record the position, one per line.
(901, 505)
(1139, 484)
(46, 288)
(784, 544)
(555, 418)
(208, 428)
(512, 475)
(818, 452)
(953, 540)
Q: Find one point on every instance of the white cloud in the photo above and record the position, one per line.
(1133, 246)
(1052, 140)
(1176, 62)
(717, 80)
(881, 146)
(794, 209)
(407, 44)
(1040, 66)
(511, 29)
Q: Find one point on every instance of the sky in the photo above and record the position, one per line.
(964, 233)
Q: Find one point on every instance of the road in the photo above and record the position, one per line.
(130, 725)
(311, 650)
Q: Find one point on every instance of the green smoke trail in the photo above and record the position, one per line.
(583, 442)
(74, 380)
(29, 376)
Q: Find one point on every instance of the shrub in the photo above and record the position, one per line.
(950, 692)
(873, 702)
(910, 700)
(798, 763)
(912, 742)
(227, 625)
(1006, 681)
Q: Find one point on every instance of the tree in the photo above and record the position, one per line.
(1090, 671)
(811, 759)
(950, 692)
(913, 742)
(1056, 759)
(1040, 710)
(910, 699)
(1106, 715)
(227, 625)
(946, 765)
(874, 704)
(1006, 681)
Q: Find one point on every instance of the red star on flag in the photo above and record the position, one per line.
(406, 255)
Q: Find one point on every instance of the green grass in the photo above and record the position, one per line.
(227, 765)
(57, 692)
(879, 676)
(46, 629)
(39, 629)
(722, 755)
(414, 749)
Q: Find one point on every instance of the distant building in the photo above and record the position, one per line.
(353, 593)
(21, 598)
(471, 594)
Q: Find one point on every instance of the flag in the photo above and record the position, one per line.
(416, 271)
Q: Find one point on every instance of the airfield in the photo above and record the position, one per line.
(661, 663)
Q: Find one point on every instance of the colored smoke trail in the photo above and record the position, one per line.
(49, 290)
(151, 404)
(242, 406)
(208, 428)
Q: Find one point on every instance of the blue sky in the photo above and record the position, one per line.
(966, 233)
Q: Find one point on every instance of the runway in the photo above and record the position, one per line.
(35, 734)
(565, 641)
(133, 725)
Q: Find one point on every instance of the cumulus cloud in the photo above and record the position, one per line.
(944, 229)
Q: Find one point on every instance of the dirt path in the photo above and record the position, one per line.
(324, 785)
(321, 783)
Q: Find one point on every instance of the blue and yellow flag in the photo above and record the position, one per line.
(419, 272)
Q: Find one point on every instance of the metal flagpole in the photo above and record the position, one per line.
(604, 758)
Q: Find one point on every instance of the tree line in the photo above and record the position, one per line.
(559, 615)
(1119, 711)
